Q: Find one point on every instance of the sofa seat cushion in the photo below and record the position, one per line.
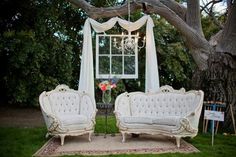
(135, 127)
(67, 120)
(166, 120)
(136, 120)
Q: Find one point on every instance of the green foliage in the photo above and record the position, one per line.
(175, 63)
(209, 27)
(33, 67)
(39, 48)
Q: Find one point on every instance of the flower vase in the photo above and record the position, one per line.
(106, 96)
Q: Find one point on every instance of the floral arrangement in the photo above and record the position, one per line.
(107, 85)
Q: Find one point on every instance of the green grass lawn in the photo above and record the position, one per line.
(23, 142)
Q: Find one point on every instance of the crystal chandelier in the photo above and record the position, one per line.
(129, 42)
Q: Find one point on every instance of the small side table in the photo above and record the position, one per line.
(106, 107)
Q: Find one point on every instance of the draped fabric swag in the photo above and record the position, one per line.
(86, 81)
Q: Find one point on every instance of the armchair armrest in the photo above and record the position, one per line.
(51, 121)
(88, 107)
(122, 105)
(194, 116)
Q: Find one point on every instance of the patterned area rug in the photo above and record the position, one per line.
(144, 144)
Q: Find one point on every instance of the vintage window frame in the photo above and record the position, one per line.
(110, 55)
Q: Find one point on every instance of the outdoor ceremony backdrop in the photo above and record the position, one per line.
(41, 43)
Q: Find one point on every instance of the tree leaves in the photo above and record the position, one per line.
(33, 58)
(175, 64)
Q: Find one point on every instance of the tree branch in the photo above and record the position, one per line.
(95, 13)
(193, 38)
(193, 16)
(227, 42)
(210, 12)
(213, 2)
(179, 9)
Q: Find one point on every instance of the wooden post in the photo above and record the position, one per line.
(217, 123)
(203, 125)
(232, 114)
(208, 108)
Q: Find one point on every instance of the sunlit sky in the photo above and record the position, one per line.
(219, 7)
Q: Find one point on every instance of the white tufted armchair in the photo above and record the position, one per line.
(68, 112)
(168, 112)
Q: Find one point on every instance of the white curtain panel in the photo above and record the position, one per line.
(151, 74)
(86, 81)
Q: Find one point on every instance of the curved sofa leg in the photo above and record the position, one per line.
(89, 137)
(123, 137)
(62, 139)
(178, 141)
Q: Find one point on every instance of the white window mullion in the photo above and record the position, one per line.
(123, 59)
(110, 59)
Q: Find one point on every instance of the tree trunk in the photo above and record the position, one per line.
(218, 83)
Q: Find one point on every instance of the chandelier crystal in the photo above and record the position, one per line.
(129, 42)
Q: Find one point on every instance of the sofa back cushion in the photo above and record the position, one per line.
(63, 103)
(163, 104)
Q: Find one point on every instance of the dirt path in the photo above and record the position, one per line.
(20, 117)
(13, 116)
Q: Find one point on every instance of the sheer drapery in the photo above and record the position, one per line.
(86, 81)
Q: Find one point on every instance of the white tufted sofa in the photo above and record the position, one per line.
(68, 112)
(168, 112)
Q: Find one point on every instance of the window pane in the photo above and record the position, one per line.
(120, 60)
(116, 65)
(129, 65)
(104, 45)
(104, 62)
(116, 43)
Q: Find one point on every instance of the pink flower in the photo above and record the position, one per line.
(106, 85)
(113, 85)
(103, 88)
